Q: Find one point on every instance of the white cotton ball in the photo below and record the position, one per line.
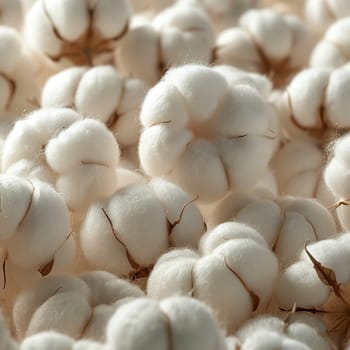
(10, 49)
(47, 340)
(64, 312)
(79, 32)
(226, 232)
(131, 228)
(185, 221)
(36, 300)
(60, 89)
(197, 145)
(181, 323)
(300, 284)
(36, 238)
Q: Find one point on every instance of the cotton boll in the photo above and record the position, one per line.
(120, 234)
(6, 341)
(266, 42)
(56, 315)
(185, 221)
(36, 240)
(86, 38)
(29, 300)
(300, 284)
(191, 141)
(176, 322)
(47, 340)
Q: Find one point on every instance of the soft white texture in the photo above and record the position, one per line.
(41, 143)
(137, 224)
(100, 93)
(179, 35)
(79, 32)
(28, 211)
(206, 140)
(265, 41)
(298, 168)
(333, 49)
(178, 323)
(236, 278)
(78, 307)
(286, 223)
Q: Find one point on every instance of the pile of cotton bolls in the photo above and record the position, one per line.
(175, 174)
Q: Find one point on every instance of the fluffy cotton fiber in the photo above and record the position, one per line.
(78, 32)
(101, 93)
(235, 278)
(180, 34)
(267, 42)
(57, 145)
(207, 141)
(137, 224)
(178, 323)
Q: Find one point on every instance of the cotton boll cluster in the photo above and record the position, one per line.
(286, 223)
(17, 80)
(101, 93)
(298, 168)
(208, 141)
(267, 42)
(332, 50)
(127, 232)
(77, 32)
(224, 276)
(79, 307)
(179, 35)
(31, 245)
(178, 323)
(59, 146)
